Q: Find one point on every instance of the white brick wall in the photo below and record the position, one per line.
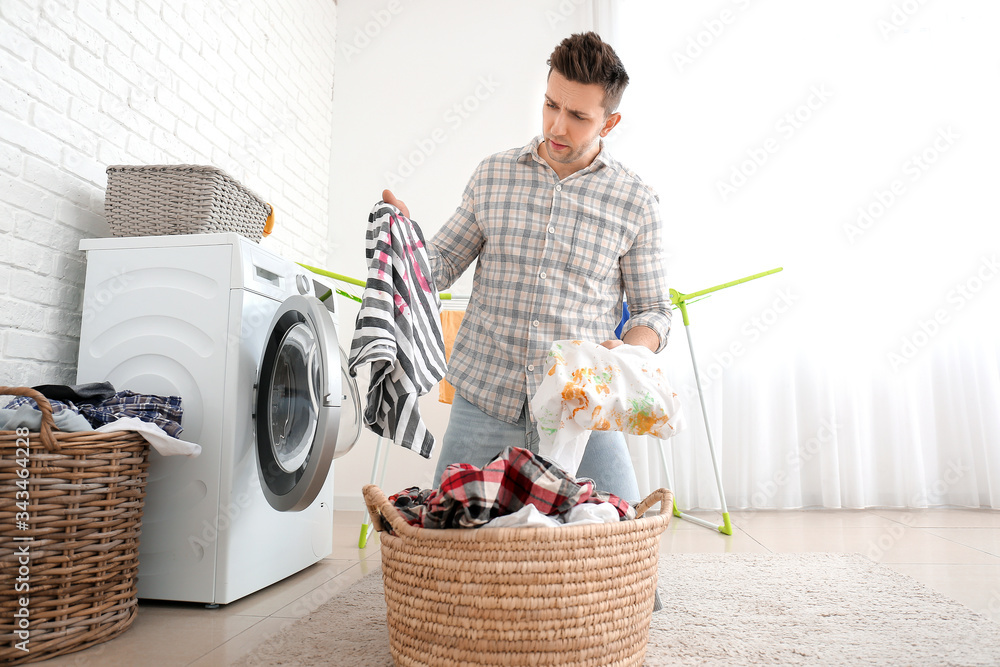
(244, 85)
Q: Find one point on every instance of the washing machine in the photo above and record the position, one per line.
(240, 334)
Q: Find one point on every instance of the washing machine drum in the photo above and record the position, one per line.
(303, 394)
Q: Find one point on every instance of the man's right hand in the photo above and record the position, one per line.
(390, 198)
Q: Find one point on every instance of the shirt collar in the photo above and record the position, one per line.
(531, 149)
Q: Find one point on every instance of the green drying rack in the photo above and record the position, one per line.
(681, 301)
(444, 296)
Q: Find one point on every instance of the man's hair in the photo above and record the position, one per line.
(586, 58)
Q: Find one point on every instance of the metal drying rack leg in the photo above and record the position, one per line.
(726, 527)
(366, 525)
(681, 301)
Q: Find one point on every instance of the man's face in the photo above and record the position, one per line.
(573, 121)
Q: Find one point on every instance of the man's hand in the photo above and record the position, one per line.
(390, 198)
(639, 335)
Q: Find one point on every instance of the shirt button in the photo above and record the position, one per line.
(558, 188)
(552, 230)
(531, 367)
(541, 275)
(535, 323)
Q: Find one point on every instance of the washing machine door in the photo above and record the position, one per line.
(298, 404)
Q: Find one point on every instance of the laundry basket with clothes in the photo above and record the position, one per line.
(580, 594)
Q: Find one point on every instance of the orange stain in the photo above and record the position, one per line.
(642, 424)
(573, 392)
(599, 422)
(558, 361)
(619, 421)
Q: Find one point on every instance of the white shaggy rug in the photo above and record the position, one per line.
(719, 609)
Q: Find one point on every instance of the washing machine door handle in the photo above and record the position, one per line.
(298, 404)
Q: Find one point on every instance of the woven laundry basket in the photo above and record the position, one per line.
(70, 515)
(155, 200)
(575, 595)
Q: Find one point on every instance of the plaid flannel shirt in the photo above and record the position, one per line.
(470, 497)
(164, 411)
(555, 259)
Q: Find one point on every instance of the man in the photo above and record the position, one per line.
(562, 232)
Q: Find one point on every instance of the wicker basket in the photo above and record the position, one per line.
(70, 514)
(576, 595)
(155, 200)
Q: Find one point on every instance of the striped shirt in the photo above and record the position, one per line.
(555, 258)
(397, 330)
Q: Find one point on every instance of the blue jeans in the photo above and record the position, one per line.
(475, 437)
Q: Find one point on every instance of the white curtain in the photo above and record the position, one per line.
(856, 145)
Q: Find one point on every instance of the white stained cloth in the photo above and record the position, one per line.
(529, 517)
(154, 435)
(588, 387)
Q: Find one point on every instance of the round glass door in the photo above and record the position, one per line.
(298, 404)
(294, 403)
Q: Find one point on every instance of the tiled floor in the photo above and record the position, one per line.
(956, 552)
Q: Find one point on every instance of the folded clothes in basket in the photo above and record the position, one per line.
(156, 418)
(470, 497)
(164, 411)
(26, 416)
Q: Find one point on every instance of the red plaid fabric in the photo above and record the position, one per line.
(470, 497)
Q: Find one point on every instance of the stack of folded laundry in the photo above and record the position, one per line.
(98, 406)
